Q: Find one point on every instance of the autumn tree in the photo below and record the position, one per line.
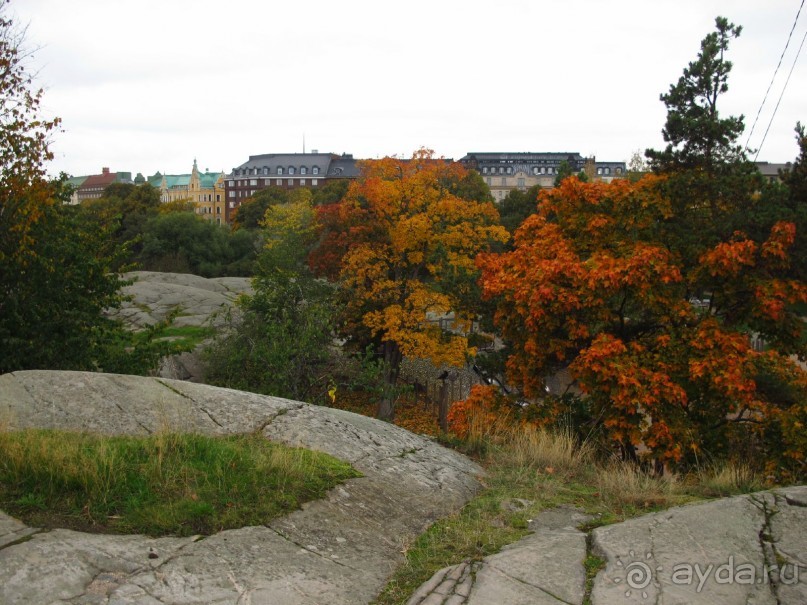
(56, 278)
(401, 243)
(24, 138)
(650, 292)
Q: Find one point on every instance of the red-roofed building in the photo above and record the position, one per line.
(94, 185)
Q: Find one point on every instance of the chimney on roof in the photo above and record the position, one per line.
(105, 170)
(315, 151)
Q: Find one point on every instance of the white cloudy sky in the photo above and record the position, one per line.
(149, 85)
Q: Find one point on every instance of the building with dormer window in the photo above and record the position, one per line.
(504, 172)
(285, 170)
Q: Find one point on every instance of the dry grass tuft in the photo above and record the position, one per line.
(624, 485)
(536, 449)
(727, 479)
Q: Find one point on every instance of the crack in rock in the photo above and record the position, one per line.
(311, 550)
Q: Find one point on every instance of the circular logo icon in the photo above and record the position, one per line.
(638, 573)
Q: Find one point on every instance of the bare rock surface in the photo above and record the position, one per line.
(199, 301)
(742, 550)
(746, 549)
(337, 550)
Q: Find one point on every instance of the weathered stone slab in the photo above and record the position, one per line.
(713, 553)
(12, 531)
(63, 565)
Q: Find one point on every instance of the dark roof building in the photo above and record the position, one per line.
(506, 171)
(286, 170)
(771, 171)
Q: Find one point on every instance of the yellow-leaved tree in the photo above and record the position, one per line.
(404, 243)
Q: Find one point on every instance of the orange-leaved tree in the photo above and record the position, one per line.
(651, 293)
(401, 243)
(594, 285)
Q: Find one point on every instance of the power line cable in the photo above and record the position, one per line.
(775, 71)
(796, 58)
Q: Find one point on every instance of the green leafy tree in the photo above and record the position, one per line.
(517, 206)
(565, 171)
(795, 201)
(182, 242)
(331, 192)
(126, 208)
(24, 138)
(250, 213)
(469, 186)
(282, 345)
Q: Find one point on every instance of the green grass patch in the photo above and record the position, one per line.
(165, 484)
(592, 564)
(186, 336)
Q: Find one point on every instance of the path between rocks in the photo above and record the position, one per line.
(339, 550)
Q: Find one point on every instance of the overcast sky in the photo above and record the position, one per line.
(150, 85)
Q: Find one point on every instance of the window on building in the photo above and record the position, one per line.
(315, 170)
(521, 182)
(280, 169)
(599, 170)
(504, 181)
(218, 197)
(218, 209)
(253, 182)
(232, 193)
(303, 170)
(291, 169)
(290, 182)
(619, 170)
(279, 182)
(485, 170)
(302, 182)
(314, 182)
(266, 169)
(489, 181)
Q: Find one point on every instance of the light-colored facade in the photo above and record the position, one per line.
(504, 172)
(205, 190)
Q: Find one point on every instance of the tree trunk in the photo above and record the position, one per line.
(392, 368)
(443, 410)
